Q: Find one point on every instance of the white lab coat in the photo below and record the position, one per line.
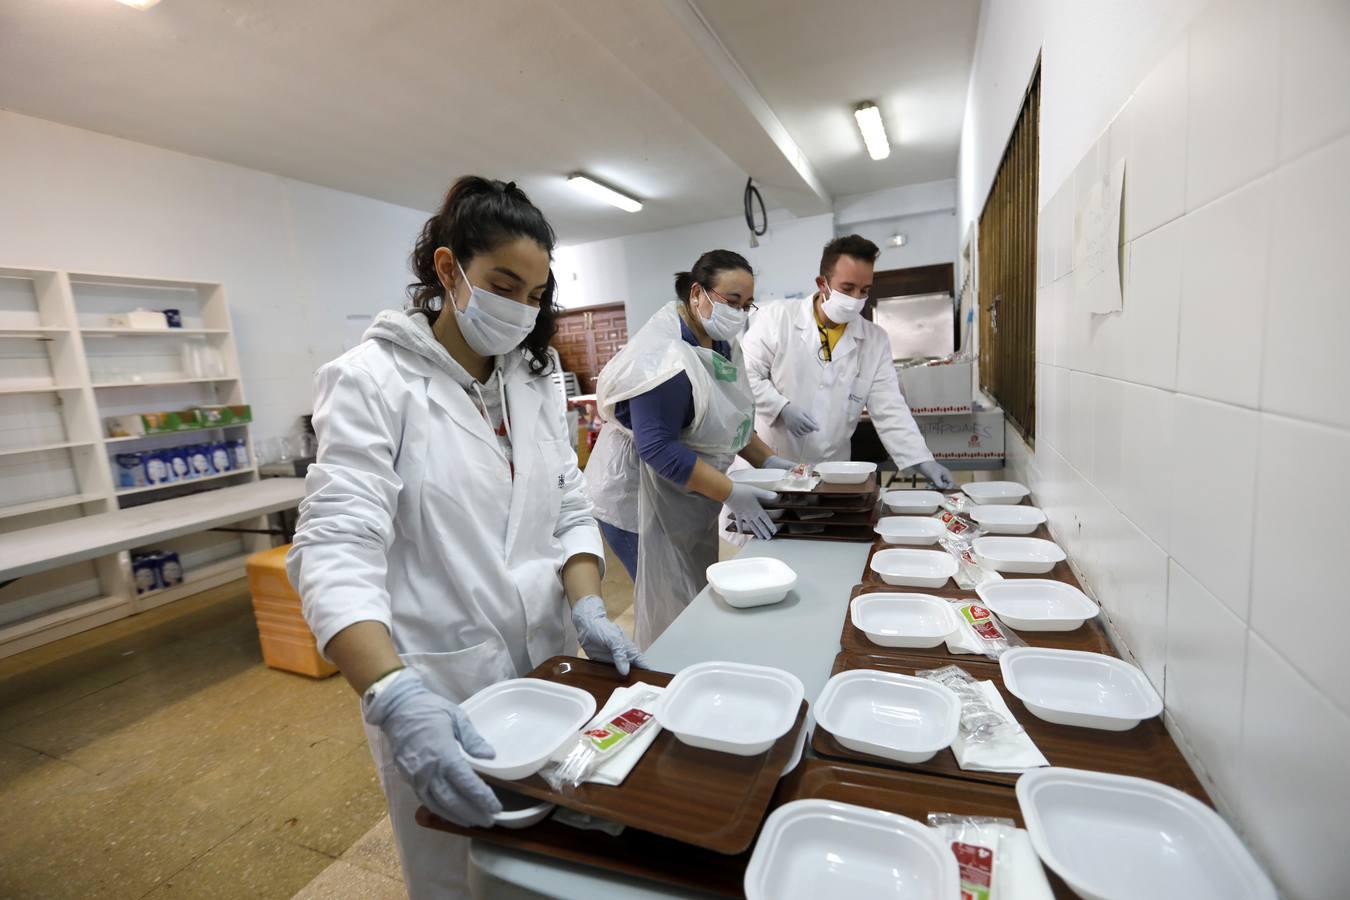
(413, 519)
(782, 355)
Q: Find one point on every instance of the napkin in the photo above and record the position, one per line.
(616, 768)
(1019, 875)
(1012, 753)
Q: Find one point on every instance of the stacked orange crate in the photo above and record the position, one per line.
(287, 642)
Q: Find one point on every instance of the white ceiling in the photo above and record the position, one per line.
(394, 98)
(816, 62)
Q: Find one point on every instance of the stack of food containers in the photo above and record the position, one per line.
(287, 642)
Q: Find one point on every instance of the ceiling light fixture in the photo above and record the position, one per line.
(873, 130)
(138, 4)
(589, 186)
(898, 240)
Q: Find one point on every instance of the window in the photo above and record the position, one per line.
(1006, 272)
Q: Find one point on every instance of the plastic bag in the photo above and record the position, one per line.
(601, 740)
(981, 632)
(979, 721)
(969, 573)
(976, 841)
(957, 503)
(959, 523)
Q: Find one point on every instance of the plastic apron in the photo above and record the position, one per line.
(677, 528)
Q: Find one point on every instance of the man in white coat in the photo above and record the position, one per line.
(815, 365)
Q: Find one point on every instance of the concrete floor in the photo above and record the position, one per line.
(157, 757)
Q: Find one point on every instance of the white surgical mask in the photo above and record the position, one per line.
(492, 324)
(841, 308)
(725, 323)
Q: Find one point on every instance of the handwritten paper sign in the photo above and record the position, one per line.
(1096, 244)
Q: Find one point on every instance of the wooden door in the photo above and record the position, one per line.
(586, 339)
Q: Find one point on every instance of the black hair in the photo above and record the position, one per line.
(707, 268)
(478, 215)
(854, 245)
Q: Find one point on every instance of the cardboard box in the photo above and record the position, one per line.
(976, 435)
(939, 390)
(152, 423)
(221, 416)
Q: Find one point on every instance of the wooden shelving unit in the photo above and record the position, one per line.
(65, 366)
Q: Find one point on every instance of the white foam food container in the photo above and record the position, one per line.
(903, 620)
(912, 503)
(519, 811)
(1037, 604)
(914, 568)
(1072, 687)
(845, 472)
(898, 717)
(1113, 837)
(997, 519)
(914, 531)
(996, 493)
(752, 581)
(815, 849)
(730, 707)
(1029, 556)
(762, 478)
(525, 720)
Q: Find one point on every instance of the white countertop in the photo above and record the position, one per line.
(47, 546)
(799, 635)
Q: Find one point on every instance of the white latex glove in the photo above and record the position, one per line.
(798, 421)
(937, 473)
(744, 503)
(426, 732)
(778, 462)
(602, 640)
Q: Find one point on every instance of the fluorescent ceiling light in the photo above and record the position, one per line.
(593, 188)
(873, 131)
(138, 4)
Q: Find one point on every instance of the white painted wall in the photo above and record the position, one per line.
(639, 269)
(1191, 450)
(295, 258)
(924, 213)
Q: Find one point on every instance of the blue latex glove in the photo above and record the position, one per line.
(426, 732)
(744, 503)
(798, 421)
(602, 640)
(778, 462)
(938, 474)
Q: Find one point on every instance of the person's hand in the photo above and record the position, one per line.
(798, 421)
(938, 474)
(778, 462)
(744, 503)
(602, 640)
(426, 732)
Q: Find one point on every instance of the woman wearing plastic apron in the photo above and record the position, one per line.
(446, 528)
(678, 409)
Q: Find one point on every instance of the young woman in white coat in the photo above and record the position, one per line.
(678, 409)
(446, 529)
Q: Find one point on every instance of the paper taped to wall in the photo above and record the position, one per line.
(1096, 244)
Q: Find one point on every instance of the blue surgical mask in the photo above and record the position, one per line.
(492, 324)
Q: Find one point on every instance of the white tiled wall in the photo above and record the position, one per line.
(1192, 450)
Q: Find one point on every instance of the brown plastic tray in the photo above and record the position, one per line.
(1145, 751)
(1088, 637)
(701, 797)
(834, 503)
(907, 794)
(1061, 571)
(640, 854)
